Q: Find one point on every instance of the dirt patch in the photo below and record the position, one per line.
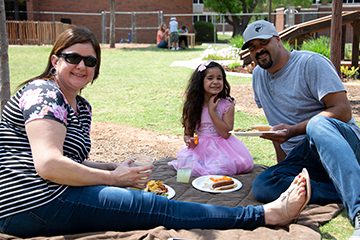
(115, 143)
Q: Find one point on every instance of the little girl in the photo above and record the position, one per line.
(209, 113)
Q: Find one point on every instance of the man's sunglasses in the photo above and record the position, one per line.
(75, 58)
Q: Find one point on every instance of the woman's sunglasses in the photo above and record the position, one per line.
(75, 58)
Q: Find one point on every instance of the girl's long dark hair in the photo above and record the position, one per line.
(194, 96)
(66, 39)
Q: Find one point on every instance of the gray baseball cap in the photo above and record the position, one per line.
(258, 30)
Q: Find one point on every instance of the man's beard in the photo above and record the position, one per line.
(267, 64)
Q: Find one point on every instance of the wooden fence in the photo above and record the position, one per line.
(34, 32)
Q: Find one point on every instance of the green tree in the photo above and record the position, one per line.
(247, 6)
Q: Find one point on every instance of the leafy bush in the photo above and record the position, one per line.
(287, 46)
(204, 31)
(319, 45)
(349, 72)
(237, 41)
(348, 51)
(234, 65)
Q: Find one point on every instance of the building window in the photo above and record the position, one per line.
(15, 10)
(351, 1)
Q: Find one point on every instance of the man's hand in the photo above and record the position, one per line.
(280, 136)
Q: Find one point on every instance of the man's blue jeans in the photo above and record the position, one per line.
(331, 154)
(103, 208)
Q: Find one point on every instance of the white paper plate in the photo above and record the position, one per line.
(255, 134)
(203, 184)
(251, 134)
(171, 192)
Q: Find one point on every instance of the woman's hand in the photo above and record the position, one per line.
(126, 176)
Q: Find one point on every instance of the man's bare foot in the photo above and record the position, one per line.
(288, 206)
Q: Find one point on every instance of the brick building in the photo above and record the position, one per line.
(89, 15)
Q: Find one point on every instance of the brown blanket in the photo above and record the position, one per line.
(306, 228)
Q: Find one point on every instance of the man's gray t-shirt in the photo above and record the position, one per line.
(295, 93)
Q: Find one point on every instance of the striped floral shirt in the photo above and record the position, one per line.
(21, 188)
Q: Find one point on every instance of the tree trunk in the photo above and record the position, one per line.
(112, 23)
(239, 24)
(4, 60)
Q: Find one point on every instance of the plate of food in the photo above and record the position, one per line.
(254, 131)
(159, 188)
(216, 184)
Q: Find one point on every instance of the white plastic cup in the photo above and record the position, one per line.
(184, 169)
(141, 160)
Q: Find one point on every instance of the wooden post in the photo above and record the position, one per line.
(336, 27)
(269, 17)
(112, 23)
(355, 44)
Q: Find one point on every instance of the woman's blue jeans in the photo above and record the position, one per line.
(103, 208)
(163, 44)
(331, 155)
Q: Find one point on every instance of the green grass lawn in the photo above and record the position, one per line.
(138, 88)
(224, 38)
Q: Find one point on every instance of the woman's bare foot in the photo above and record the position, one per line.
(288, 206)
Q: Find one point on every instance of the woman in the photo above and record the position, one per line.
(162, 36)
(48, 188)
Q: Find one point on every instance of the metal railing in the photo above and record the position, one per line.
(133, 28)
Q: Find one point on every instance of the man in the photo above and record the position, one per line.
(301, 92)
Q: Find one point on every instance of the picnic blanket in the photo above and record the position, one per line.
(306, 227)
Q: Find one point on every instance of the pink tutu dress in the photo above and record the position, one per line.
(215, 155)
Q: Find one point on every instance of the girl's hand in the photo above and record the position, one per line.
(190, 141)
(126, 176)
(213, 102)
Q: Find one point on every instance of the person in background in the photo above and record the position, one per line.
(162, 36)
(48, 188)
(183, 40)
(302, 93)
(174, 36)
(208, 112)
